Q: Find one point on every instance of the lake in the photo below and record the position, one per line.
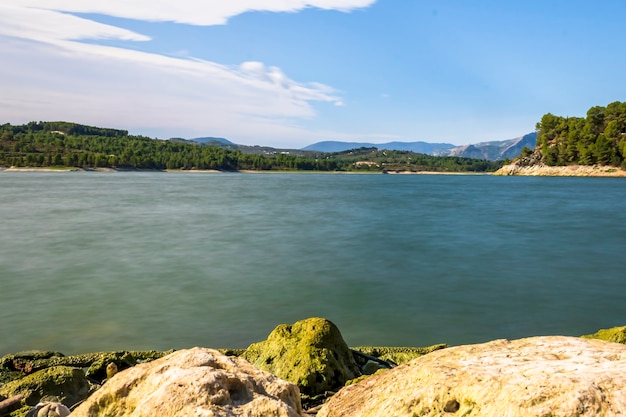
(150, 260)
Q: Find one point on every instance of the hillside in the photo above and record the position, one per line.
(70, 145)
(597, 139)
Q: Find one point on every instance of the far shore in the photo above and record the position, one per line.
(507, 170)
(243, 171)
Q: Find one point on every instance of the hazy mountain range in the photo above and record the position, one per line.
(492, 151)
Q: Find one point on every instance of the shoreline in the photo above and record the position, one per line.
(243, 171)
(561, 171)
(507, 170)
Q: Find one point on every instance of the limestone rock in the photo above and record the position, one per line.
(193, 382)
(614, 334)
(310, 353)
(49, 409)
(541, 170)
(539, 376)
(68, 385)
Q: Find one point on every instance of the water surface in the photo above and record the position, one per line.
(106, 261)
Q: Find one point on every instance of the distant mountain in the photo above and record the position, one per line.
(209, 140)
(419, 147)
(254, 150)
(492, 151)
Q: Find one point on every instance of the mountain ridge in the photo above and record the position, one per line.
(491, 150)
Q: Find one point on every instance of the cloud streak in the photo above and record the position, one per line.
(193, 12)
(48, 73)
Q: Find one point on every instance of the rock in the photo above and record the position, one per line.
(68, 385)
(614, 334)
(310, 353)
(397, 355)
(539, 376)
(193, 382)
(541, 170)
(22, 361)
(31, 361)
(8, 405)
(104, 363)
(49, 409)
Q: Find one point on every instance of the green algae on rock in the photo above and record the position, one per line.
(614, 334)
(64, 384)
(15, 366)
(398, 355)
(310, 353)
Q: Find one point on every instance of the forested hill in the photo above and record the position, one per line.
(597, 139)
(63, 144)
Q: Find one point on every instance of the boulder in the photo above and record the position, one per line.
(539, 376)
(193, 382)
(61, 383)
(310, 353)
(614, 334)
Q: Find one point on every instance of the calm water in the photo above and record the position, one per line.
(105, 261)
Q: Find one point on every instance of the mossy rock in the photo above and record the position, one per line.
(60, 383)
(614, 334)
(310, 353)
(398, 355)
(8, 376)
(122, 359)
(19, 361)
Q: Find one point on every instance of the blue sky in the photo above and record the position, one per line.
(288, 73)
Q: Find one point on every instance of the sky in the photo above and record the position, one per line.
(289, 73)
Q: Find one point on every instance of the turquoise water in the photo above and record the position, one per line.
(106, 261)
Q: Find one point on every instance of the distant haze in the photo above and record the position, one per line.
(493, 150)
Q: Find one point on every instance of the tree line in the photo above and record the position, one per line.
(65, 144)
(599, 138)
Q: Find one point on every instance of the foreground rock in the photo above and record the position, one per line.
(194, 382)
(540, 376)
(17, 365)
(310, 353)
(62, 384)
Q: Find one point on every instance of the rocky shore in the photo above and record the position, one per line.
(540, 170)
(306, 369)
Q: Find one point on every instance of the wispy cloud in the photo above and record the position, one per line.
(194, 12)
(48, 73)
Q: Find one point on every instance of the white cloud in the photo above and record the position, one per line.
(25, 21)
(194, 12)
(48, 74)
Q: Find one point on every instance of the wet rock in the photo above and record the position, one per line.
(540, 376)
(614, 334)
(310, 353)
(68, 385)
(193, 382)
